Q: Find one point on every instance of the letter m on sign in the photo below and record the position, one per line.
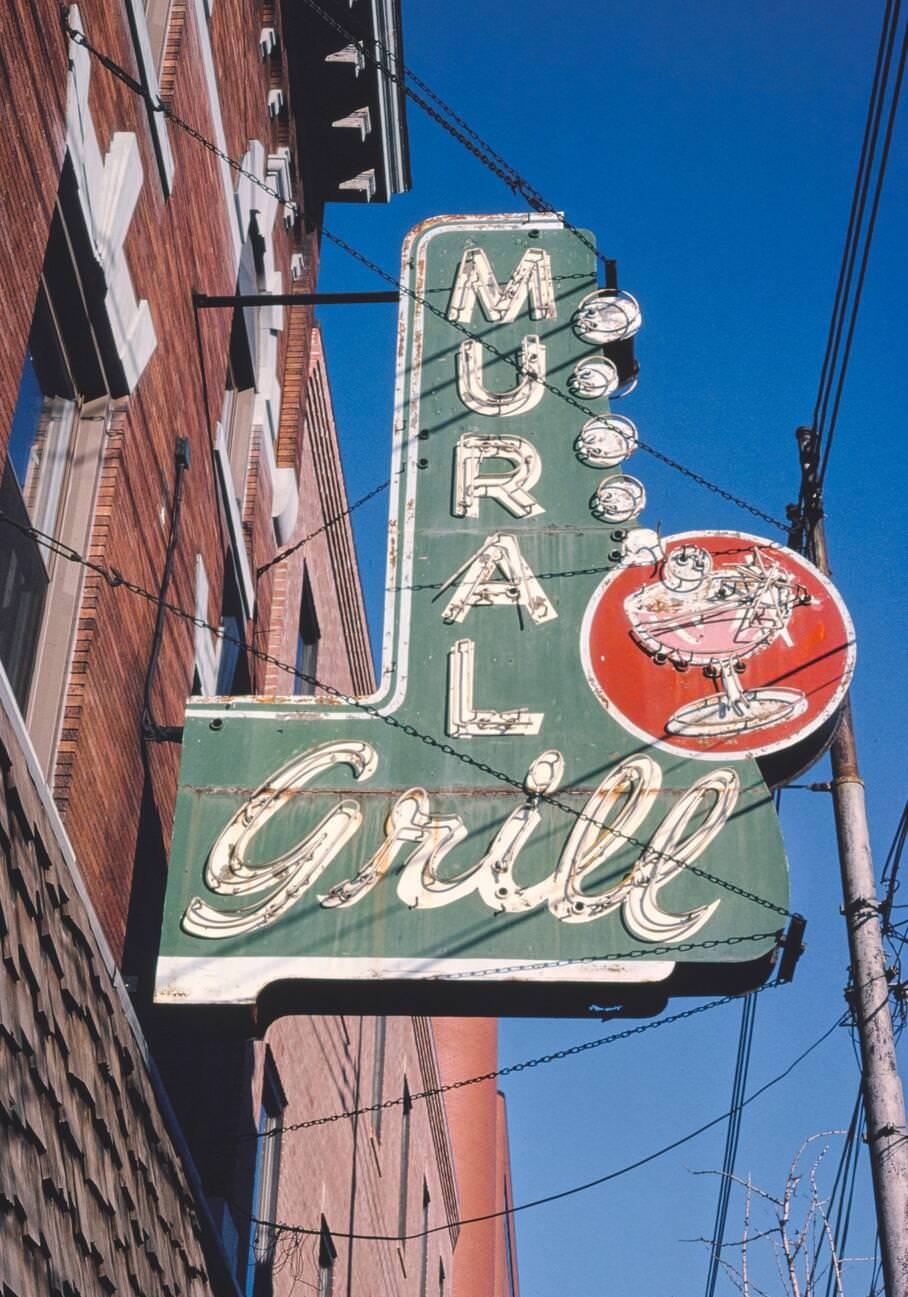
(476, 279)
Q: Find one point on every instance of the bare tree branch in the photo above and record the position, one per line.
(799, 1230)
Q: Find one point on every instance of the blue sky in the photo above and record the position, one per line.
(712, 149)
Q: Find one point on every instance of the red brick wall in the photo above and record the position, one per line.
(172, 247)
(329, 558)
(343, 1171)
(33, 90)
(115, 792)
(469, 1047)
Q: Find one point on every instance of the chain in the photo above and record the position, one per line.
(375, 268)
(511, 1069)
(512, 178)
(344, 513)
(116, 580)
(682, 947)
(599, 570)
(566, 397)
(446, 119)
(284, 1228)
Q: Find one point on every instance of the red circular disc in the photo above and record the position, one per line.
(730, 646)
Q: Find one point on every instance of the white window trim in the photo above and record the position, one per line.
(201, 11)
(73, 524)
(149, 75)
(207, 644)
(252, 204)
(234, 523)
(109, 188)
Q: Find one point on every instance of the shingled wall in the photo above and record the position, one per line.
(95, 1195)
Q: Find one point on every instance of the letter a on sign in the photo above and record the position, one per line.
(516, 583)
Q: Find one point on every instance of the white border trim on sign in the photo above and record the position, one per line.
(404, 473)
(238, 979)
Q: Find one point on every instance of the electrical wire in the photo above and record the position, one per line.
(895, 931)
(868, 240)
(454, 124)
(375, 268)
(856, 214)
(732, 1139)
(283, 1227)
(843, 1188)
(511, 1069)
(518, 184)
(848, 293)
(889, 878)
(117, 581)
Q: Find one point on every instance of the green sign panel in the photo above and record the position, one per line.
(499, 829)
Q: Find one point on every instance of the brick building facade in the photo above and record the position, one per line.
(178, 450)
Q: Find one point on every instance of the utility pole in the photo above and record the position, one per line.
(884, 1099)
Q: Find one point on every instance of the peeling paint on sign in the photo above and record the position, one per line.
(626, 685)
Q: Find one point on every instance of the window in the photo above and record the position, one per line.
(378, 1073)
(406, 1109)
(157, 16)
(307, 642)
(50, 477)
(233, 666)
(241, 382)
(239, 404)
(442, 1279)
(263, 1239)
(327, 1255)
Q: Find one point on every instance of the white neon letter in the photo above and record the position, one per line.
(599, 834)
(670, 851)
(500, 553)
(496, 882)
(475, 278)
(518, 400)
(465, 720)
(409, 821)
(287, 876)
(511, 489)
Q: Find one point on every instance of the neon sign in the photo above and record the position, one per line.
(559, 791)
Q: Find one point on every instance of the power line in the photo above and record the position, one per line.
(456, 126)
(859, 197)
(868, 240)
(510, 1069)
(375, 268)
(116, 580)
(894, 931)
(733, 1133)
(816, 440)
(732, 1139)
(843, 1189)
(282, 1227)
(890, 875)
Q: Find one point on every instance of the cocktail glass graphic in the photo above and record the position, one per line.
(717, 617)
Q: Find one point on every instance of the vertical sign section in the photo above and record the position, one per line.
(553, 799)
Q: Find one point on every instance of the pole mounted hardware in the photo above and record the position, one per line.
(792, 947)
